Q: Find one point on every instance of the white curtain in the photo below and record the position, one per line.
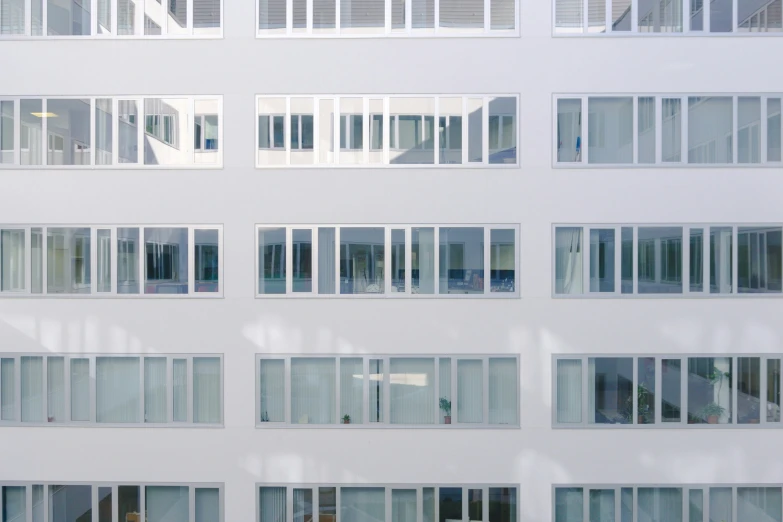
(271, 503)
(403, 505)
(12, 259)
(7, 389)
(424, 241)
(117, 389)
(32, 389)
(503, 394)
(180, 390)
(55, 388)
(720, 504)
(155, 389)
(207, 505)
(167, 503)
(470, 390)
(272, 388)
(80, 389)
(759, 505)
(659, 504)
(568, 260)
(206, 390)
(351, 387)
(326, 258)
(602, 505)
(568, 505)
(444, 383)
(412, 390)
(569, 390)
(14, 504)
(362, 505)
(313, 390)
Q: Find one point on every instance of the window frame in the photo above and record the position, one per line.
(387, 293)
(93, 421)
(658, 422)
(386, 422)
(388, 144)
(141, 132)
(686, 293)
(140, 257)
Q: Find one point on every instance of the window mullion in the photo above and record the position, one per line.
(436, 271)
(191, 504)
(141, 122)
(487, 17)
(635, 16)
(93, 21)
(28, 19)
(314, 260)
(115, 505)
(316, 110)
(634, 392)
(113, 30)
(387, 16)
(734, 392)
(189, 16)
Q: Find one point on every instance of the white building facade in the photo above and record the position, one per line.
(390, 261)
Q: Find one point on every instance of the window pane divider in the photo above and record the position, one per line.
(28, 501)
(45, 388)
(408, 261)
(18, 388)
(659, 391)
(191, 494)
(387, 504)
(44, 21)
(618, 261)
(686, 260)
(387, 20)
(28, 18)
(115, 505)
(338, 365)
(142, 395)
(94, 503)
(28, 260)
(420, 505)
(93, 260)
(586, 253)
(338, 492)
(93, 24)
(191, 260)
(338, 119)
(113, 30)
(366, 123)
(387, 258)
(142, 504)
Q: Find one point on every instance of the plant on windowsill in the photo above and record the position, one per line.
(712, 413)
(346, 419)
(265, 417)
(644, 414)
(445, 405)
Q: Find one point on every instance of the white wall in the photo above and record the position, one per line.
(534, 195)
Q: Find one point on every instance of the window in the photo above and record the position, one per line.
(387, 390)
(73, 270)
(386, 130)
(111, 390)
(720, 130)
(670, 260)
(495, 502)
(670, 391)
(61, 132)
(374, 261)
(669, 503)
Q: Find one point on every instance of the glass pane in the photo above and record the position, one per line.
(626, 260)
(68, 18)
(362, 260)
(671, 391)
(271, 131)
(117, 389)
(610, 130)
(80, 390)
(302, 252)
(206, 390)
(55, 386)
(502, 14)
(70, 503)
(709, 390)
(155, 385)
(475, 130)
(475, 504)
(167, 139)
(351, 390)
(502, 260)
(272, 15)
(568, 18)
(423, 260)
(720, 505)
(502, 130)
(461, 260)
(610, 390)
(351, 130)
(503, 504)
(646, 127)
(7, 389)
(503, 391)
(207, 506)
(104, 504)
(710, 128)
(32, 389)
(12, 260)
(660, 260)
(450, 504)
(376, 390)
(568, 505)
(470, 390)
(412, 130)
(68, 124)
(166, 261)
(412, 390)
(325, 126)
(569, 391)
(450, 131)
(6, 128)
(166, 503)
(272, 388)
(104, 260)
(271, 261)
(207, 260)
(272, 504)
(303, 505)
(748, 390)
(313, 390)
(759, 259)
(38, 504)
(398, 260)
(129, 507)
(365, 17)
(326, 261)
(697, 260)
(748, 129)
(403, 505)
(68, 261)
(697, 15)
(302, 131)
(444, 375)
(773, 125)
(36, 261)
(696, 506)
(568, 260)
(602, 505)
(773, 390)
(180, 390)
(596, 16)
(128, 117)
(626, 505)
(660, 17)
(31, 138)
(759, 504)
(721, 261)
(128, 240)
(327, 505)
(645, 391)
(602, 260)
(721, 16)
(660, 504)
(569, 125)
(671, 129)
(362, 504)
(428, 501)
(14, 503)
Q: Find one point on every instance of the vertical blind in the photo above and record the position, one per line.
(312, 391)
(412, 390)
(470, 390)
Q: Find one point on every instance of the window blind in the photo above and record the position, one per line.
(462, 14)
(206, 13)
(502, 15)
(363, 13)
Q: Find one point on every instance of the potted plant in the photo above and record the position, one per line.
(445, 405)
(712, 412)
(346, 419)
